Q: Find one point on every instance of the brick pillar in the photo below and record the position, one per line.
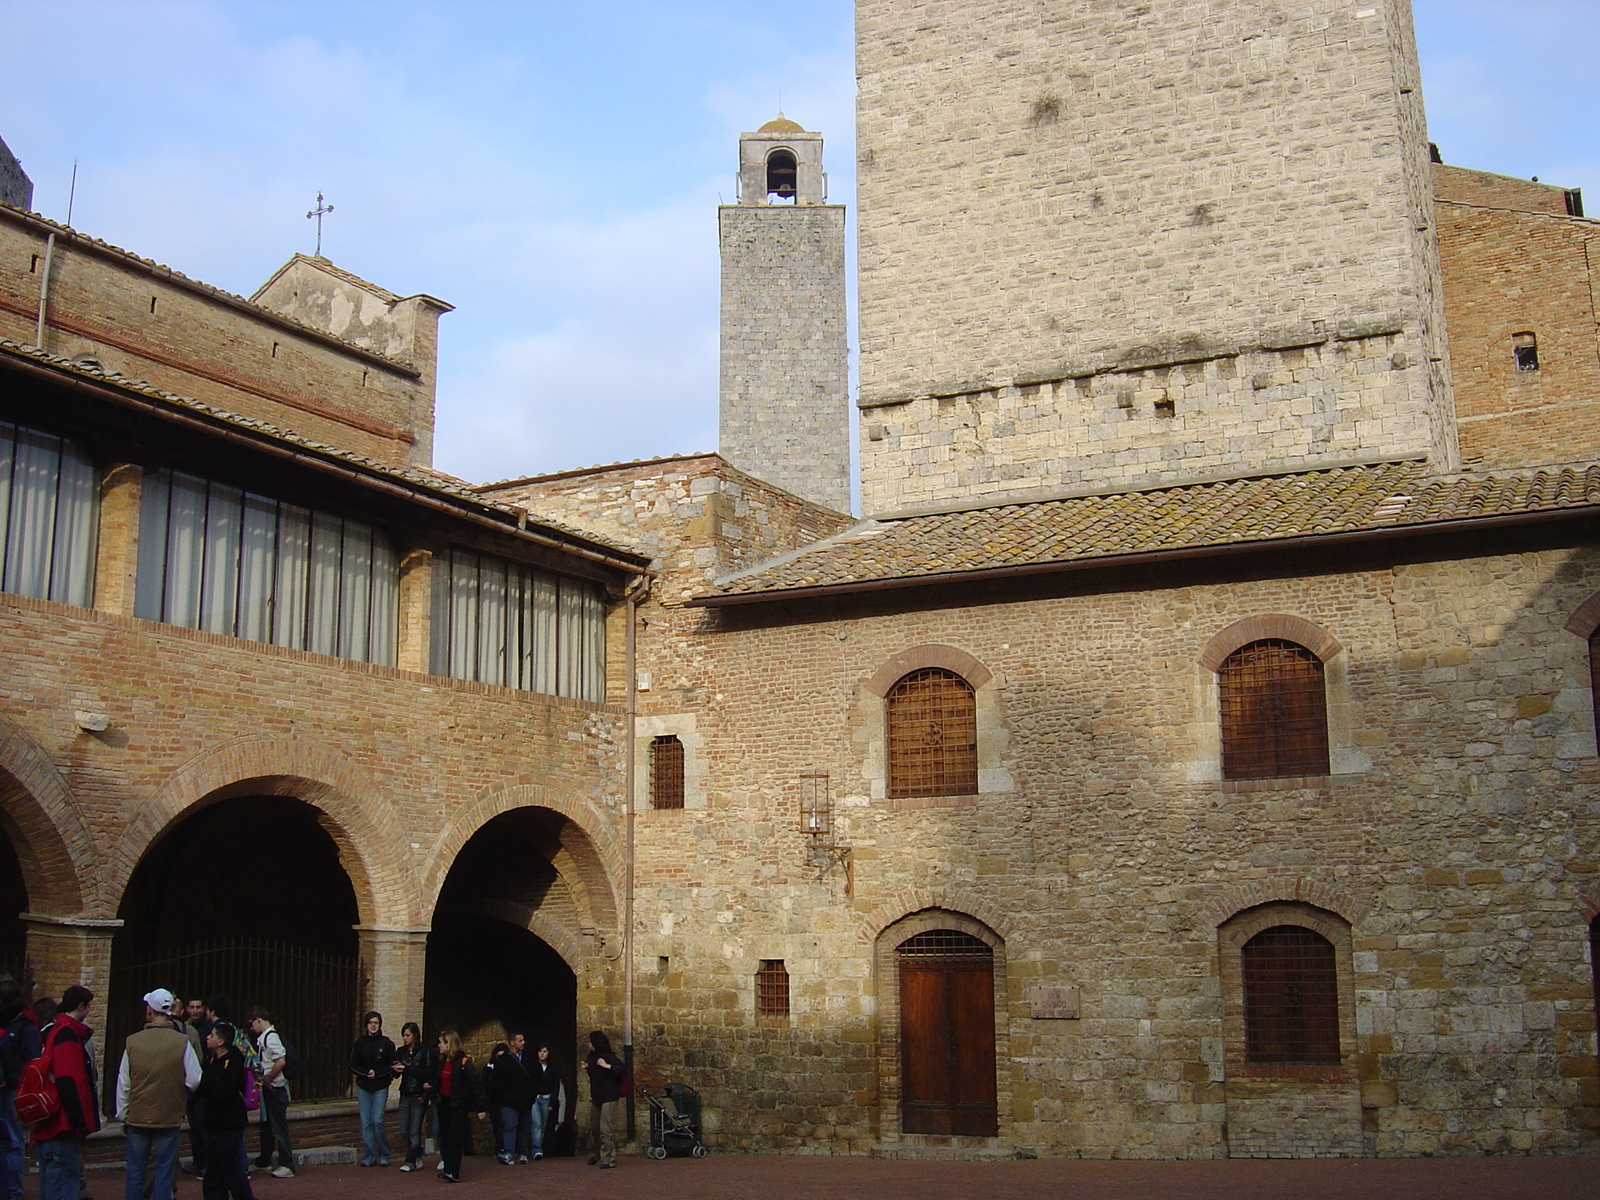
(393, 960)
(67, 950)
(117, 560)
(416, 605)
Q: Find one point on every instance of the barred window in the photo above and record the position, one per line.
(496, 621)
(933, 735)
(666, 772)
(49, 509)
(772, 989)
(228, 561)
(1291, 997)
(1274, 712)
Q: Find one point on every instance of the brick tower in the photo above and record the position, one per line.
(1107, 245)
(784, 402)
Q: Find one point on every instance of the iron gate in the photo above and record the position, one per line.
(313, 995)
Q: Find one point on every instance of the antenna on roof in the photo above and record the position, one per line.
(72, 192)
(320, 211)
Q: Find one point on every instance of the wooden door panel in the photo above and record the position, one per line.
(947, 1047)
(924, 1069)
(972, 1050)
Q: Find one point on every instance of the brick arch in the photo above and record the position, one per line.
(1341, 903)
(1268, 625)
(590, 856)
(560, 937)
(38, 811)
(353, 810)
(919, 657)
(1585, 619)
(952, 901)
(1589, 902)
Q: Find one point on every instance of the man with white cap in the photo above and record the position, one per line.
(159, 1070)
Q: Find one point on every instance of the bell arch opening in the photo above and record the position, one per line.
(245, 897)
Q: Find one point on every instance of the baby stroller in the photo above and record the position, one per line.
(674, 1122)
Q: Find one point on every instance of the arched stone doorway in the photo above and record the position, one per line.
(246, 897)
(513, 925)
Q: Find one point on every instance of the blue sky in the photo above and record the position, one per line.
(553, 168)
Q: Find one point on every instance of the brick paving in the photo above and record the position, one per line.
(770, 1177)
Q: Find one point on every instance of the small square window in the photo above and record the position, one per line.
(1525, 349)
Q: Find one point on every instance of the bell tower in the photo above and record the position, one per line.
(784, 392)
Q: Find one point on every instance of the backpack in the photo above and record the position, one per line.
(292, 1066)
(252, 1091)
(37, 1098)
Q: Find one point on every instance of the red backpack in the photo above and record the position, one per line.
(37, 1096)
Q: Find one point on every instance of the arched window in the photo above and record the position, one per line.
(666, 772)
(933, 735)
(782, 174)
(1274, 711)
(1291, 997)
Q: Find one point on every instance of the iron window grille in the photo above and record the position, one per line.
(772, 988)
(666, 772)
(1274, 710)
(1291, 997)
(933, 735)
(945, 943)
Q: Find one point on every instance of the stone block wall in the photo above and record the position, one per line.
(1072, 190)
(1515, 263)
(148, 322)
(785, 384)
(1460, 854)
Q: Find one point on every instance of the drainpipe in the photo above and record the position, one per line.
(636, 593)
(44, 289)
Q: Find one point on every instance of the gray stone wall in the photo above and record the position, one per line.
(16, 189)
(1069, 190)
(785, 371)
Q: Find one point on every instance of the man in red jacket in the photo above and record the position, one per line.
(57, 1137)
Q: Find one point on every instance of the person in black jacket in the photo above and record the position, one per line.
(222, 1084)
(546, 1082)
(511, 1091)
(460, 1095)
(19, 1047)
(418, 1069)
(372, 1063)
(606, 1074)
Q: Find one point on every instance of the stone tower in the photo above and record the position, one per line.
(784, 395)
(16, 189)
(1111, 245)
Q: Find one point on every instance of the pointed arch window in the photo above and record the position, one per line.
(933, 735)
(1274, 711)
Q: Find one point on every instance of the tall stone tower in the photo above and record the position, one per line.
(784, 411)
(16, 188)
(1105, 244)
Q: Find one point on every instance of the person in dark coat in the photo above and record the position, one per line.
(222, 1086)
(460, 1097)
(418, 1069)
(372, 1063)
(511, 1091)
(606, 1074)
(546, 1082)
(18, 1048)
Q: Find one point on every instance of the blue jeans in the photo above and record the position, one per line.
(374, 1141)
(58, 1168)
(541, 1113)
(513, 1123)
(13, 1144)
(155, 1150)
(411, 1109)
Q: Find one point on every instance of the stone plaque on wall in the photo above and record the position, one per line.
(1055, 1004)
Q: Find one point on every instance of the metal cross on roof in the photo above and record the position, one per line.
(320, 211)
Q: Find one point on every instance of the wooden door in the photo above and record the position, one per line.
(947, 1082)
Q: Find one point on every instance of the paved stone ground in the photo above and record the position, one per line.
(748, 1177)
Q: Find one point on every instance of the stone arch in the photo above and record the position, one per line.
(1347, 907)
(590, 854)
(356, 815)
(1268, 625)
(53, 846)
(565, 941)
(903, 906)
(1585, 619)
(919, 657)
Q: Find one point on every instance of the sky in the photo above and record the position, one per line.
(552, 167)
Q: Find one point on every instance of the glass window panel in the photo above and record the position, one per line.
(355, 608)
(492, 621)
(186, 522)
(439, 637)
(258, 540)
(381, 647)
(35, 471)
(294, 561)
(463, 615)
(219, 589)
(546, 597)
(322, 614)
(152, 579)
(77, 520)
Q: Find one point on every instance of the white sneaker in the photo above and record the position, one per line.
(283, 1172)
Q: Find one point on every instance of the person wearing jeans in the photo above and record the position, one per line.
(159, 1069)
(418, 1069)
(18, 1047)
(274, 1092)
(57, 1137)
(546, 1080)
(372, 1063)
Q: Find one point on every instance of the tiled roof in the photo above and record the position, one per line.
(1259, 510)
(419, 479)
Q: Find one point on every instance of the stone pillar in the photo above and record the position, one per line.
(416, 606)
(393, 961)
(67, 950)
(116, 567)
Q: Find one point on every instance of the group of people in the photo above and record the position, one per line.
(190, 1063)
(517, 1089)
